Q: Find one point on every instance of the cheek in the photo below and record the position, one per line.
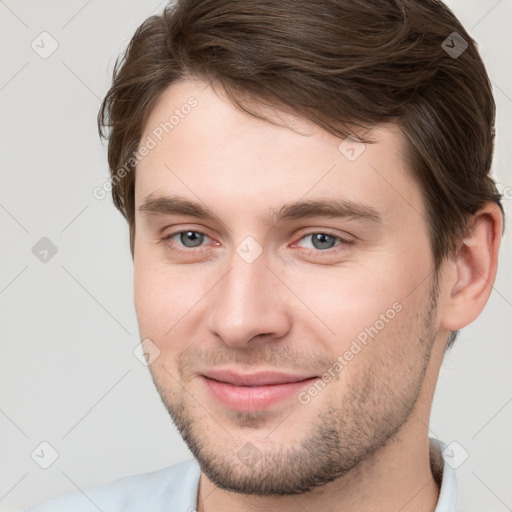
(348, 300)
(157, 298)
(168, 301)
(383, 351)
(379, 300)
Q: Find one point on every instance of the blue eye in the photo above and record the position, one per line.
(322, 241)
(313, 244)
(189, 238)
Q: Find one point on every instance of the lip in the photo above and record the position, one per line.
(255, 391)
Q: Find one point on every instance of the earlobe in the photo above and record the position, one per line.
(475, 267)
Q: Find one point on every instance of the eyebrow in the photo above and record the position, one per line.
(329, 208)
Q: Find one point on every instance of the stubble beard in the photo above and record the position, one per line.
(340, 436)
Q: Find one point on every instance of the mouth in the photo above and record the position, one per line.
(253, 392)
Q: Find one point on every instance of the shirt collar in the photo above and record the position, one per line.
(445, 477)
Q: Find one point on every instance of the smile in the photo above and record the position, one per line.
(253, 392)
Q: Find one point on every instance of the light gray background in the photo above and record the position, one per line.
(68, 327)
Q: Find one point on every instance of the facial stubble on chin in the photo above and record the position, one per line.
(340, 437)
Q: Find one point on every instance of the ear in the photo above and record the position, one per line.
(474, 269)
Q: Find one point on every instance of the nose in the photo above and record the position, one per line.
(249, 304)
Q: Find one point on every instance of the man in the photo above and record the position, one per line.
(312, 219)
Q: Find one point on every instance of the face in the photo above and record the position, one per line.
(284, 282)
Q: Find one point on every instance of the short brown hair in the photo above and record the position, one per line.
(346, 65)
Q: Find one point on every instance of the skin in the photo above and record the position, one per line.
(362, 442)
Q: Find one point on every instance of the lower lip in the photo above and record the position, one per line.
(253, 398)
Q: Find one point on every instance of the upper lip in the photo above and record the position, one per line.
(264, 378)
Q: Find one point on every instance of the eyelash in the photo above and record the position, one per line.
(309, 252)
(342, 246)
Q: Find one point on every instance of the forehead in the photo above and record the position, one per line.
(204, 147)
